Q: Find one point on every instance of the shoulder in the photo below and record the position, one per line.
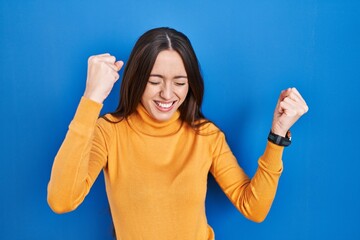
(207, 128)
(107, 123)
(214, 136)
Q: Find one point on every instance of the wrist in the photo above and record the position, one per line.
(93, 97)
(279, 132)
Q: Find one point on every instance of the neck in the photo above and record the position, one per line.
(141, 121)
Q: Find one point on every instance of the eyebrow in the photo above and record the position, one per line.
(161, 76)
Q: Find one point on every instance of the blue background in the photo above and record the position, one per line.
(249, 51)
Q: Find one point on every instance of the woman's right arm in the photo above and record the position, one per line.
(83, 153)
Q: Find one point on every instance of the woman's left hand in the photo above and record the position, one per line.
(290, 107)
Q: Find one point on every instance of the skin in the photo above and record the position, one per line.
(101, 76)
(163, 86)
(289, 108)
(167, 87)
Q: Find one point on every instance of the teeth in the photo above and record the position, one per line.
(164, 105)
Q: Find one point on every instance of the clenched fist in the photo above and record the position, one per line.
(290, 107)
(102, 74)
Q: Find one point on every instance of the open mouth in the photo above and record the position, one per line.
(164, 106)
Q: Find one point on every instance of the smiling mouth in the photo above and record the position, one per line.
(164, 106)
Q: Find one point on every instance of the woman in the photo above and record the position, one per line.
(157, 148)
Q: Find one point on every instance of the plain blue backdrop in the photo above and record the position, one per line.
(249, 51)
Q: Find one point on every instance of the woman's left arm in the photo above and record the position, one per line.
(254, 197)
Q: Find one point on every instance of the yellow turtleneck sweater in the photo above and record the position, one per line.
(156, 174)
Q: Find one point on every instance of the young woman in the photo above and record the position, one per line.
(157, 149)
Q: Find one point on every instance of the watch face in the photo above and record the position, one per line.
(288, 135)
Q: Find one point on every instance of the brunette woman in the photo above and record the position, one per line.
(157, 148)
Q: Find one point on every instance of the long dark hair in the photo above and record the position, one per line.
(140, 64)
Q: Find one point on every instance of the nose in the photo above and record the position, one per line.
(166, 92)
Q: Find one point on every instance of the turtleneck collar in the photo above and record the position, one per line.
(142, 122)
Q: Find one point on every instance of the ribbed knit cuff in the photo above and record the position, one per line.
(86, 115)
(272, 157)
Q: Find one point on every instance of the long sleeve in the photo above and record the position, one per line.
(252, 197)
(79, 160)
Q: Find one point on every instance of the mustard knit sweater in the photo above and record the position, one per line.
(156, 173)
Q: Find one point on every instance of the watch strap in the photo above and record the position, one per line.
(279, 140)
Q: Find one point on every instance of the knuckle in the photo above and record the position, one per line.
(94, 59)
(303, 110)
(306, 108)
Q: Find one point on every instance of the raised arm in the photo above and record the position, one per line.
(83, 152)
(254, 197)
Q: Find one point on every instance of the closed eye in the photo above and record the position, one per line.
(154, 83)
(179, 84)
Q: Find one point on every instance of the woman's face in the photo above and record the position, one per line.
(167, 86)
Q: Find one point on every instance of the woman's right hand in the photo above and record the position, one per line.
(101, 76)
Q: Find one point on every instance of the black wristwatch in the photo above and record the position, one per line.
(279, 140)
